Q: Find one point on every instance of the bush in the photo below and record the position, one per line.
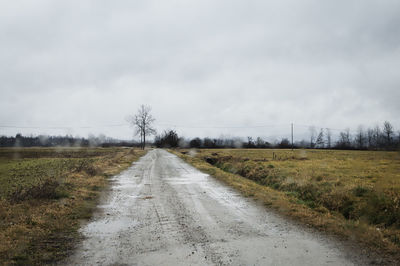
(341, 202)
(87, 167)
(360, 191)
(383, 209)
(43, 190)
(211, 160)
(308, 192)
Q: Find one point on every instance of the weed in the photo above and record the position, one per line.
(360, 191)
(383, 209)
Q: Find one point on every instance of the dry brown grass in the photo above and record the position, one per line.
(41, 227)
(351, 194)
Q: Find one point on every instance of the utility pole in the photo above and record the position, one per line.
(292, 136)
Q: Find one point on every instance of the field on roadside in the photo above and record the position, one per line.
(355, 193)
(44, 195)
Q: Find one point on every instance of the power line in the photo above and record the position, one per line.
(308, 126)
(218, 127)
(59, 127)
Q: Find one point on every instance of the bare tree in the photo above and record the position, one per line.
(250, 142)
(143, 121)
(388, 132)
(260, 142)
(360, 138)
(320, 139)
(328, 138)
(313, 132)
(398, 139)
(377, 137)
(370, 138)
(344, 141)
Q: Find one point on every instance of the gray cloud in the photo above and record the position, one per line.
(198, 63)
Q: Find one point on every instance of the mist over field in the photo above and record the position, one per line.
(207, 68)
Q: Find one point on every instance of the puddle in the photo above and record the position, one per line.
(110, 226)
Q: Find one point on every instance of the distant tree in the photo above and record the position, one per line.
(328, 138)
(344, 141)
(360, 138)
(208, 143)
(388, 133)
(229, 143)
(398, 139)
(143, 122)
(267, 144)
(260, 143)
(370, 138)
(19, 140)
(215, 143)
(302, 144)
(46, 141)
(313, 133)
(250, 143)
(284, 144)
(377, 137)
(195, 143)
(169, 139)
(320, 139)
(219, 143)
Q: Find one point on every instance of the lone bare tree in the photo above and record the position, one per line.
(142, 122)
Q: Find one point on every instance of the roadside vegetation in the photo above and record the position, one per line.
(45, 193)
(353, 194)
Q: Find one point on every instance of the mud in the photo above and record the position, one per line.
(162, 211)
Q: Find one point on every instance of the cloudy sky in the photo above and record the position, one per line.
(207, 68)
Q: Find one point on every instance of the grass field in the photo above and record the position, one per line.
(354, 194)
(44, 195)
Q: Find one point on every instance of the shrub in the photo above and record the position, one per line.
(341, 202)
(87, 167)
(308, 192)
(211, 160)
(46, 189)
(360, 191)
(383, 209)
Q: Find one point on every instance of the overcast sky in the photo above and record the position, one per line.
(207, 68)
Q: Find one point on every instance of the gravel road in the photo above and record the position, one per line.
(162, 211)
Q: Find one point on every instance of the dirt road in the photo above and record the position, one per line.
(162, 211)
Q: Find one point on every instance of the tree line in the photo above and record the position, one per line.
(377, 138)
(62, 141)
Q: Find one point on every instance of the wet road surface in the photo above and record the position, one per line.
(162, 211)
